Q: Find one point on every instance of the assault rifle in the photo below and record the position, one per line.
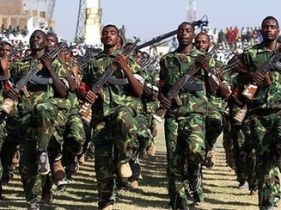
(10, 56)
(8, 104)
(251, 89)
(82, 61)
(174, 91)
(86, 108)
(274, 62)
(199, 23)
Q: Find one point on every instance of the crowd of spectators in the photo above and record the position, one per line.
(226, 43)
(232, 40)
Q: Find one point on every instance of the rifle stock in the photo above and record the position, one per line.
(251, 89)
(86, 108)
(174, 91)
(8, 104)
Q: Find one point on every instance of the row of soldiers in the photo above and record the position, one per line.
(42, 93)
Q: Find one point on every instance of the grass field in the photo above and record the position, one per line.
(220, 187)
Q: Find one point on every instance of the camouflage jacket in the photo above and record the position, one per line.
(253, 58)
(114, 95)
(37, 92)
(173, 66)
(215, 102)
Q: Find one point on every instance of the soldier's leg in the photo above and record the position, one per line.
(2, 138)
(213, 130)
(175, 165)
(194, 132)
(88, 148)
(104, 166)
(238, 137)
(55, 152)
(124, 129)
(227, 141)
(74, 138)
(9, 149)
(248, 157)
(32, 181)
(44, 116)
(136, 170)
(267, 134)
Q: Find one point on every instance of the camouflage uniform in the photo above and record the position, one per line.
(214, 115)
(115, 125)
(265, 124)
(148, 130)
(3, 132)
(36, 117)
(240, 152)
(184, 126)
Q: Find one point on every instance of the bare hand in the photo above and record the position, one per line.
(13, 94)
(256, 77)
(203, 62)
(46, 60)
(121, 61)
(165, 102)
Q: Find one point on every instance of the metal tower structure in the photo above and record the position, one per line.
(50, 10)
(191, 10)
(80, 25)
(93, 23)
(89, 22)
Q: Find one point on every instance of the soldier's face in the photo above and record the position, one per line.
(109, 36)
(185, 34)
(38, 40)
(270, 30)
(51, 41)
(202, 42)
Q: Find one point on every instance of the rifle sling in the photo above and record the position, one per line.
(42, 80)
(117, 81)
(189, 74)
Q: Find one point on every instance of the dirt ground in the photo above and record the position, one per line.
(220, 187)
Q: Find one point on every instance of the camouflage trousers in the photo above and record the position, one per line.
(144, 136)
(2, 138)
(227, 140)
(10, 146)
(114, 142)
(185, 142)
(143, 141)
(36, 129)
(213, 128)
(244, 154)
(69, 135)
(44, 115)
(266, 132)
(74, 138)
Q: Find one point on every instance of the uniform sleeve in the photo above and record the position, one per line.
(162, 73)
(88, 76)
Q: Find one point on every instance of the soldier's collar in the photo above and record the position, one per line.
(194, 52)
(261, 47)
(113, 54)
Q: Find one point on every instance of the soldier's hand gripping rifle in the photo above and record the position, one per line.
(174, 91)
(86, 108)
(8, 103)
(274, 62)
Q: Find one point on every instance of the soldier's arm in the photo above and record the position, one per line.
(136, 86)
(59, 86)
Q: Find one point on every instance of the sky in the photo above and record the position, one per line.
(150, 18)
